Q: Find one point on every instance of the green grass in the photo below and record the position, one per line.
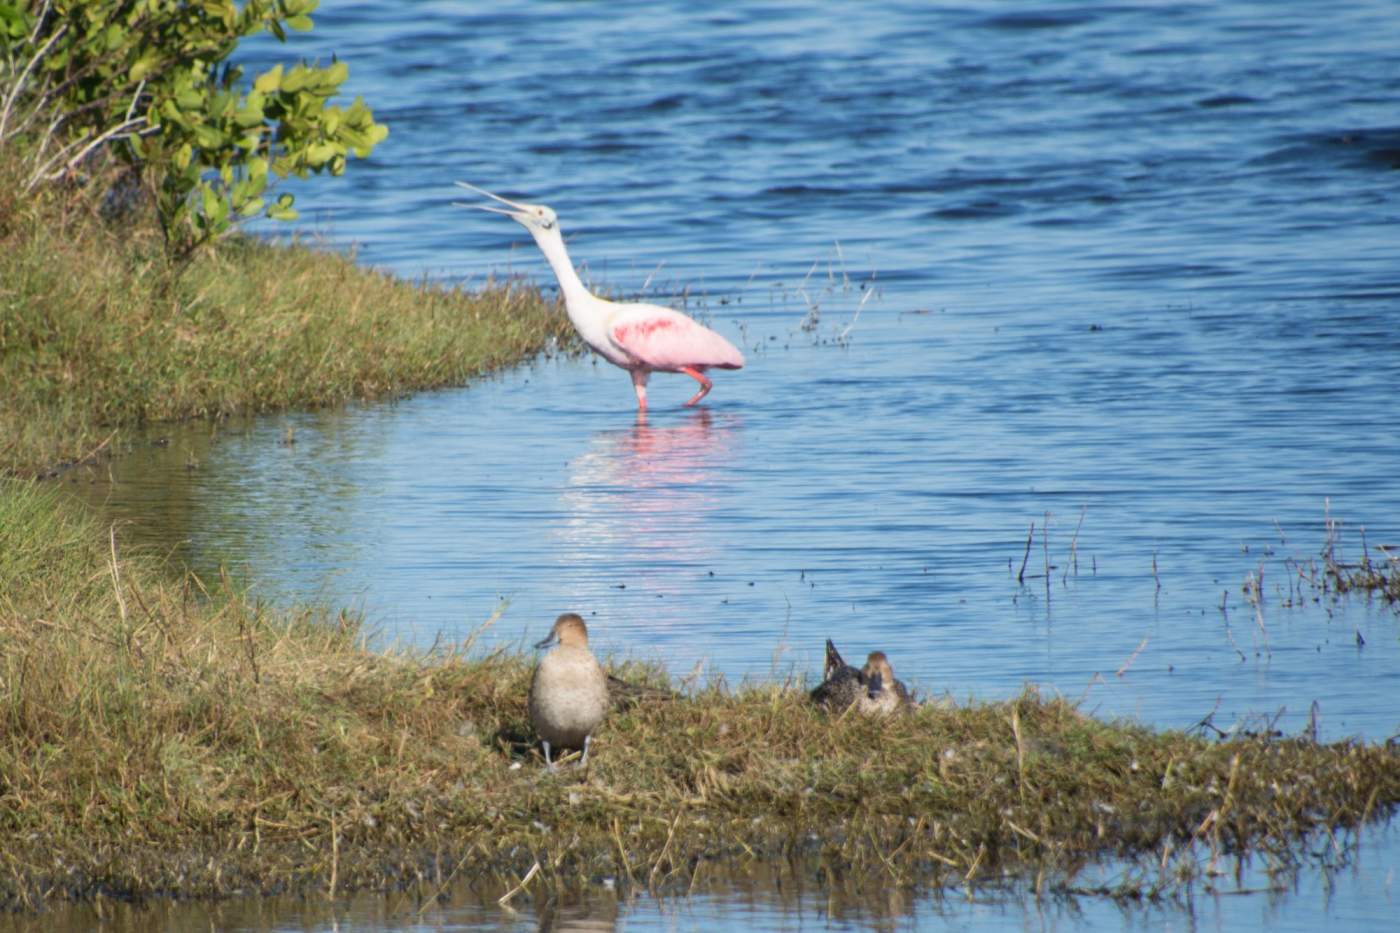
(157, 738)
(101, 332)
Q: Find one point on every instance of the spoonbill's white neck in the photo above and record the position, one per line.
(551, 242)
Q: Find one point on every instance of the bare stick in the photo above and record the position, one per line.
(95, 451)
(19, 82)
(116, 576)
(1021, 577)
(1132, 657)
(335, 859)
(647, 283)
(1229, 636)
(1074, 547)
(859, 307)
(43, 173)
(1045, 551)
(504, 899)
(477, 632)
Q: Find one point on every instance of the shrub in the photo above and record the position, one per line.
(114, 91)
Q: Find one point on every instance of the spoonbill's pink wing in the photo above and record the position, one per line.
(662, 339)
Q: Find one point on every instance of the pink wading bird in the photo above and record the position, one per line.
(641, 338)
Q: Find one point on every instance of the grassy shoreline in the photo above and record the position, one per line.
(166, 737)
(162, 735)
(100, 331)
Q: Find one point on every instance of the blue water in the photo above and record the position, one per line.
(1131, 266)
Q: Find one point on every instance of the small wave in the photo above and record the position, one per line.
(1039, 19)
(978, 210)
(1227, 100)
(1377, 148)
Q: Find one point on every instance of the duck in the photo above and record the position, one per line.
(872, 689)
(569, 692)
(842, 685)
(884, 693)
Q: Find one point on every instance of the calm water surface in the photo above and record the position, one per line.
(1129, 273)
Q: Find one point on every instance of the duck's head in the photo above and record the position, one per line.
(568, 630)
(878, 673)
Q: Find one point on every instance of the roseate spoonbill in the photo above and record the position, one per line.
(640, 338)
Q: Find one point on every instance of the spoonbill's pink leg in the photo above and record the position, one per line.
(705, 384)
(639, 382)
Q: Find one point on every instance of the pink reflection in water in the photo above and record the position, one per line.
(650, 498)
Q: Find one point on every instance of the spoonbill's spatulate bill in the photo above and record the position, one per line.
(640, 338)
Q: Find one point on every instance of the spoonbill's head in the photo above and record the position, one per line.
(533, 217)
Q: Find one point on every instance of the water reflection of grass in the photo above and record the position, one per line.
(159, 738)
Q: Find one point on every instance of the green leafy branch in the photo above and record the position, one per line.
(145, 86)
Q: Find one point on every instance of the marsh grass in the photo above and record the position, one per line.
(1345, 566)
(101, 331)
(165, 736)
(1366, 573)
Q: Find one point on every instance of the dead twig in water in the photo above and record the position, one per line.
(1030, 537)
(1045, 552)
(504, 899)
(1132, 657)
(1073, 562)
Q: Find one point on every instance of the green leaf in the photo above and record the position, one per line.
(13, 21)
(295, 79)
(336, 74)
(319, 153)
(190, 99)
(282, 209)
(251, 113)
(269, 81)
(209, 137)
(142, 67)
